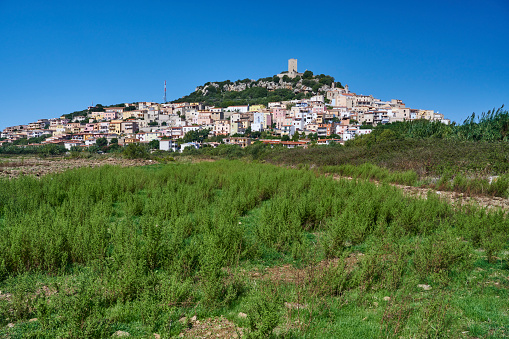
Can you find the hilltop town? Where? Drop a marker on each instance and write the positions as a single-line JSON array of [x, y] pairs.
[[320, 111]]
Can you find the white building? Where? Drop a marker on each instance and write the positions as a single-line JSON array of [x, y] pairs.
[[258, 124], [238, 109], [167, 145]]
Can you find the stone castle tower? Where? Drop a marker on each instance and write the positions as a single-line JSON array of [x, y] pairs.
[[292, 65]]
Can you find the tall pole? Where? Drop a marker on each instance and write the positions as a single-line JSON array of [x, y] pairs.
[[164, 91]]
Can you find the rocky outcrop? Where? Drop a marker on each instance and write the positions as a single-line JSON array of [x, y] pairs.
[[271, 85]]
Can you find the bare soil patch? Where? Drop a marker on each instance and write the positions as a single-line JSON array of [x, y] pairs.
[[17, 166], [457, 198], [290, 274], [211, 328]]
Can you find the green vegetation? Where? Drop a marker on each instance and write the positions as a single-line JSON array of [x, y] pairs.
[[92, 251], [44, 150], [85, 112], [35, 140], [491, 126], [198, 135], [135, 151], [464, 166], [97, 108], [250, 96], [471, 158]]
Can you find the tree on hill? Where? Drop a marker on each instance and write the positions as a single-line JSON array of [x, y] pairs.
[[296, 136], [307, 75], [316, 87], [308, 82], [199, 135], [326, 80], [153, 144], [97, 108], [101, 142]]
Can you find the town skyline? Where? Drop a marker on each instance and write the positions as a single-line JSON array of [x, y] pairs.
[[437, 55], [304, 107]]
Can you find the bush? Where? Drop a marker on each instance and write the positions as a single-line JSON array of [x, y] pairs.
[[437, 256], [135, 151], [264, 313]]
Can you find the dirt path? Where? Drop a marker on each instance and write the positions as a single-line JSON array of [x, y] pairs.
[[451, 197]]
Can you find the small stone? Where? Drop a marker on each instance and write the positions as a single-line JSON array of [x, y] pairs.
[[240, 223], [242, 315], [157, 336], [121, 334], [32, 320], [193, 319], [295, 306], [424, 287], [10, 325], [387, 298]]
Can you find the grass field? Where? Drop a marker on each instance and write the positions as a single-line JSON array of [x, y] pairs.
[[469, 167], [90, 252]]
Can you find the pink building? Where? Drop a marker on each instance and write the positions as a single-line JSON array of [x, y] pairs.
[[279, 116], [89, 127], [267, 120], [222, 127], [204, 118], [319, 108], [110, 115]]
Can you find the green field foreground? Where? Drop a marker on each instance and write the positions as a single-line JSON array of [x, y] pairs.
[[90, 252]]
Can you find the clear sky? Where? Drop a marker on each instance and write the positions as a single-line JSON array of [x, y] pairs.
[[57, 57]]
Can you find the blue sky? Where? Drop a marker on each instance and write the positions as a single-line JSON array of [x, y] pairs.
[[57, 57]]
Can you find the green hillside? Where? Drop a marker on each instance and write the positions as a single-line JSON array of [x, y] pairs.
[[261, 91]]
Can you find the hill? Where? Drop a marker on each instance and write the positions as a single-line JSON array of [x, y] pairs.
[[261, 91]]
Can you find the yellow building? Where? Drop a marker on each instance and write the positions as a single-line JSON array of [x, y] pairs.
[[97, 115], [115, 126], [127, 115], [256, 108]]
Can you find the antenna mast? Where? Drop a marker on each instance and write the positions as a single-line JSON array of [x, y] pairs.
[[164, 92]]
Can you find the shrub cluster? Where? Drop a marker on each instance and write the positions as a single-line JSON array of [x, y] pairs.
[[147, 244]]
